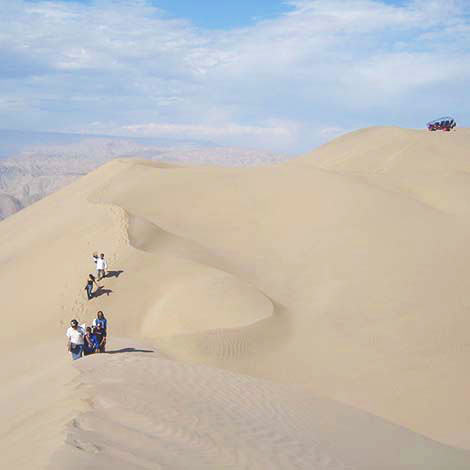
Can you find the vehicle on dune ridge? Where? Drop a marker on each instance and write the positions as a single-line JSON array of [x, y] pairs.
[[446, 124]]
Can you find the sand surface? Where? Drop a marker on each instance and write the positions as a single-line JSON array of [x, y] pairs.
[[309, 315]]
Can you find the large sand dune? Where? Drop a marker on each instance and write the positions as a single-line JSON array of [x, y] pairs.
[[343, 274]]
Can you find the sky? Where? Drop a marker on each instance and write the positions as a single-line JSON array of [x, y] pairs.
[[279, 75]]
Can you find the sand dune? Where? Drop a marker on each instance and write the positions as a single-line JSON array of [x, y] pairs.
[[344, 272], [189, 416], [33, 171]]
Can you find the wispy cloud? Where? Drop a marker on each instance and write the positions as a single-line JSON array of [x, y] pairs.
[[284, 82]]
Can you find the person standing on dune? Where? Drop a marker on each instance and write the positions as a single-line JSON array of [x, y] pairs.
[[101, 267], [101, 320], [100, 337], [76, 335], [91, 344]]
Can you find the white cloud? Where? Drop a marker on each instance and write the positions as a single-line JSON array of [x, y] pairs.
[[324, 65]]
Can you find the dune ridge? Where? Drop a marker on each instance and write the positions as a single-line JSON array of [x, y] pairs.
[[344, 272], [150, 412]]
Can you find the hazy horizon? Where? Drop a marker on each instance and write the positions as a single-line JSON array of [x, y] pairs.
[[13, 141]]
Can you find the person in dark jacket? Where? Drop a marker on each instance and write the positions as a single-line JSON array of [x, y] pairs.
[[102, 321], [100, 337], [89, 286], [91, 344]]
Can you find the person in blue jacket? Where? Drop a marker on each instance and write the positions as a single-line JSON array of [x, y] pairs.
[[91, 344], [102, 321], [100, 335]]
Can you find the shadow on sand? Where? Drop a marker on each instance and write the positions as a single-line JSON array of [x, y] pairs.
[[115, 274], [101, 291], [126, 350]]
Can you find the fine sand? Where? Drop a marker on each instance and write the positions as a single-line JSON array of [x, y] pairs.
[[309, 315]]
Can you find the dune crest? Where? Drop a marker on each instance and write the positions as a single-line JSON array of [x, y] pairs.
[[192, 416]]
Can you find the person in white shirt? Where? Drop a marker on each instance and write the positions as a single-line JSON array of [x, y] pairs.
[[101, 267], [76, 335]]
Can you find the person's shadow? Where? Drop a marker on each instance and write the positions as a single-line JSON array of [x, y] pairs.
[[126, 350], [115, 274], [102, 291]]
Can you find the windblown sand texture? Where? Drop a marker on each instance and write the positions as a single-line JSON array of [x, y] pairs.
[[309, 315]]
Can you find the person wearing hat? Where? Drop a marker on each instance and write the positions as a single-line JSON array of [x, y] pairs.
[[76, 335]]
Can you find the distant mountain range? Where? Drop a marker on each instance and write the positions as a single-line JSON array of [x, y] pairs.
[[13, 141], [35, 164]]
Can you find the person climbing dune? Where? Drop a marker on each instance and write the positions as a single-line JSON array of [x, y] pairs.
[[76, 335], [91, 344], [89, 286], [101, 320], [100, 338], [101, 267]]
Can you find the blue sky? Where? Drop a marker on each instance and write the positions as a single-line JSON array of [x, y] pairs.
[[221, 14], [280, 75], [216, 14]]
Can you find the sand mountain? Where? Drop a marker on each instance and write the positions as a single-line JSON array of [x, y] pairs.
[[344, 274], [38, 170]]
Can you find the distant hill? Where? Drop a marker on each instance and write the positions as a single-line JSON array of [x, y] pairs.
[[46, 162], [14, 141], [8, 205]]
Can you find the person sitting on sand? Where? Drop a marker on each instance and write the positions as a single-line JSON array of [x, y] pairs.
[[90, 343], [101, 267], [100, 337], [76, 335], [89, 286]]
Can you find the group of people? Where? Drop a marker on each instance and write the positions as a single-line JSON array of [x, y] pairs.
[[84, 340], [101, 268]]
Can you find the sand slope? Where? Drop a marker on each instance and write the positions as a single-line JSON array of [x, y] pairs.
[[345, 272], [150, 413]]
